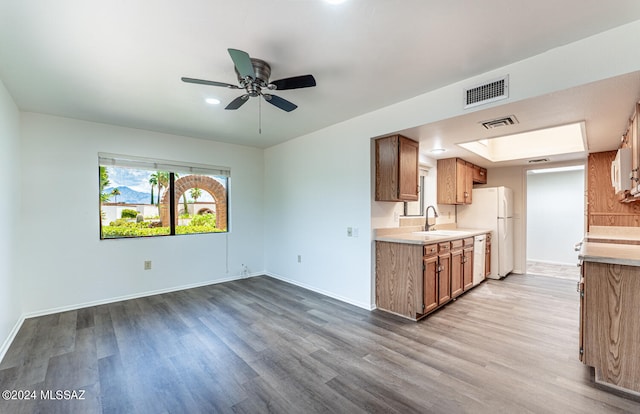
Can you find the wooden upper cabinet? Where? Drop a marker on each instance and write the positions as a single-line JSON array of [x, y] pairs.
[[479, 175], [455, 181], [396, 169], [456, 178]]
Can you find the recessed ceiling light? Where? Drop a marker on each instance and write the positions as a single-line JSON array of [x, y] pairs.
[[212, 101], [438, 150], [335, 1]]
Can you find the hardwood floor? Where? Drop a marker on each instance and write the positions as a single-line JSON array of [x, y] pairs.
[[260, 345], [571, 272]]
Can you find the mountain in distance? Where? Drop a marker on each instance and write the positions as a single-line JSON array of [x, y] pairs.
[[129, 196]]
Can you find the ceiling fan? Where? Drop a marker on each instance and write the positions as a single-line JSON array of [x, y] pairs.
[[253, 76]]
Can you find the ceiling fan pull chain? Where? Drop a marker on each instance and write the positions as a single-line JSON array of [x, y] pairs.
[[260, 116]]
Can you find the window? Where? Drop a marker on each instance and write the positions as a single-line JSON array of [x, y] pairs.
[[144, 198]]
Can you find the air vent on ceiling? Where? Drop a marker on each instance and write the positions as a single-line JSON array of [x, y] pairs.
[[537, 160], [500, 122], [487, 92]]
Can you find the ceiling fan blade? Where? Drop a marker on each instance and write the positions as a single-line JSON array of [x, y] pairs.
[[210, 83], [280, 102], [296, 82], [238, 102], [243, 64]]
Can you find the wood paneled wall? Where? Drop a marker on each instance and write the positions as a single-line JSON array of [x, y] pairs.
[[603, 207]]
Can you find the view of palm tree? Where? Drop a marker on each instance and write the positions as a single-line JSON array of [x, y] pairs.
[[195, 193], [153, 180], [115, 192]]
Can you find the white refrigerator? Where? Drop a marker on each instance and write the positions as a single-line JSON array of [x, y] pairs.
[[492, 208]]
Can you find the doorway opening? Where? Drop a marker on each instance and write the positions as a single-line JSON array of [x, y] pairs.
[[555, 220]]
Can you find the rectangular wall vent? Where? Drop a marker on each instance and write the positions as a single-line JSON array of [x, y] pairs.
[[487, 92]]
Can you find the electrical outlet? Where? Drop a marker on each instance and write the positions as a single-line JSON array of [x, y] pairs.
[[349, 232], [299, 259], [147, 265]]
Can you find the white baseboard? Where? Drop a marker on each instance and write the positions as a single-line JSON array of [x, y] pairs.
[[128, 297], [12, 335], [553, 263], [367, 306]]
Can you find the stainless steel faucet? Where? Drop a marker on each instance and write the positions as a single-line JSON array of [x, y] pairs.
[[428, 226]]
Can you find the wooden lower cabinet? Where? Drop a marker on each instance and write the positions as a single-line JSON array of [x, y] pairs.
[[413, 280], [399, 278], [457, 259], [430, 277], [610, 323], [444, 273], [467, 264]]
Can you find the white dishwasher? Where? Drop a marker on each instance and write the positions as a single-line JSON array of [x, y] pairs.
[[479, 246]]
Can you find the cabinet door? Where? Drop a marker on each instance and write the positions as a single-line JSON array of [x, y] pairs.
[[457, 286], [461, 182], [479, 175], [467, 268], [444, 278], [430, 289], [446, 181], [396, 169], [468, 182], [408, 172]]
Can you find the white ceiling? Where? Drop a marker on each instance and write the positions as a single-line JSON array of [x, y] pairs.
[[120, 62], [605, 107]]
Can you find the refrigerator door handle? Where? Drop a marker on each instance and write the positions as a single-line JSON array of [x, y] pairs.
[[506, 228]]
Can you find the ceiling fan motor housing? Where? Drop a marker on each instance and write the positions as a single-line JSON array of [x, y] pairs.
[[263, 72]]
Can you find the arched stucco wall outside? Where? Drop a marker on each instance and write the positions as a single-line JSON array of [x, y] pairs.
[[202, 182]]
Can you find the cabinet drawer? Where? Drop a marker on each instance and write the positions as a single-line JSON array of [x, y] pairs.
[[468, 242], [456, 244], [430, 250], [444, 247]]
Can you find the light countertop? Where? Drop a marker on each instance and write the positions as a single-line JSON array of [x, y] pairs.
[[615, 245], [408, 235]]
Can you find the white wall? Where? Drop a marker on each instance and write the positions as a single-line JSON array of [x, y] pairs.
[[64, 263], [10, 308], [318, 184], [555, 216], [314, 190]]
